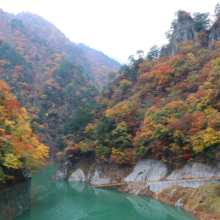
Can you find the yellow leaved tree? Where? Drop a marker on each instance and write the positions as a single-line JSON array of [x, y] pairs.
[[20, 150]]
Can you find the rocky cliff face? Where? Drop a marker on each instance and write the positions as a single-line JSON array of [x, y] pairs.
[[97, 172], [195, 171], [183, 31], [62, 171], [92, 170], [214, 33], [147, 171]]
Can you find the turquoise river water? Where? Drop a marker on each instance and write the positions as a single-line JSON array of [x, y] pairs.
[[58, 200]]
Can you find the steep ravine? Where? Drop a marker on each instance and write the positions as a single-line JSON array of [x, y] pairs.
[[154, 173]]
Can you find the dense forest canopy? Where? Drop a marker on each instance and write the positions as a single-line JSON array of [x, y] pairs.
[[164, 106], [96, 64], [21, 152], [50, 75], [54, 80], [78, 101]]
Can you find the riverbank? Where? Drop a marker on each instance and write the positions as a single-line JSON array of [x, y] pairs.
[[201, 200]]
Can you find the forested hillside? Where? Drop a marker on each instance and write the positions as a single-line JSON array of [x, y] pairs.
[[100, 64], [50, 75], [49, 98], [96, 64], [21, 152], [165, 106]]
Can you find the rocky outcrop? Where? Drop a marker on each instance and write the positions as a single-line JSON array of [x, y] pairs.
[[78, 175], [93, 171], [195, 171], [96, 180], [97, 172], [183, 31], [62, 171], [147, 170], [179, 203], [214, 33]]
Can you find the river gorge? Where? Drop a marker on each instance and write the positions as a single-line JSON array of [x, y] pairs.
[[75, 200]]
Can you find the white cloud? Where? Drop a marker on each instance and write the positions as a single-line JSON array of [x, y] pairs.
[[117, 28]]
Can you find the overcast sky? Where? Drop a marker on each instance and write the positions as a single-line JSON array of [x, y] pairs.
[[118, 28]]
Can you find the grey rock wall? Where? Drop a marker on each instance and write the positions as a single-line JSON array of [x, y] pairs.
[[93, 171], [183, 31], [78, 175], [147, 170], [96, 180], [62, 172], [195, 171], [214, 34]]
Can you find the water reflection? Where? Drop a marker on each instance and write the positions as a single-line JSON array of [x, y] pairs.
[[57, 200], [78, 186], [156, 210]]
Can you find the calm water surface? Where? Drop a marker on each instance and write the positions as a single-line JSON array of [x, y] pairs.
[[57, 200]]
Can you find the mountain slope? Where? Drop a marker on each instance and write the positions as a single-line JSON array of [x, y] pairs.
[[162, 107], [50, 75], [49, 86], [99, 63], [75, 53]]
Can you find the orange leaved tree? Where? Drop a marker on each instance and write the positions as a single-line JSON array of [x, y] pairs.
[[20, 150]]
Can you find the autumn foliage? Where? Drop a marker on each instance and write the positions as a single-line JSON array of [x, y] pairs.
[[170, 112], [159, 107], [21, 152]]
